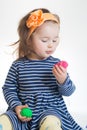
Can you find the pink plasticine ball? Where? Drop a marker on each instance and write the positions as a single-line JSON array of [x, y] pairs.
[[62, 63]]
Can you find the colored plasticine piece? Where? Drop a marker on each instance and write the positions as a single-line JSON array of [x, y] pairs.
[[63, 64], [26, 112]]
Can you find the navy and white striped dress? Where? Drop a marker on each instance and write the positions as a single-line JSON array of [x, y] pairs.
[[32, 82]]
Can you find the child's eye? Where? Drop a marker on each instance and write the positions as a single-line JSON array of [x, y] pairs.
[[44, 40], [54, 40]]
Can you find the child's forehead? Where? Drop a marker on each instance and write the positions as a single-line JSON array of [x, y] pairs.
[[47, 29], [47, 25]]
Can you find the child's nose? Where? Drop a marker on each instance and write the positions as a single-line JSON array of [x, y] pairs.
[[50, 44]]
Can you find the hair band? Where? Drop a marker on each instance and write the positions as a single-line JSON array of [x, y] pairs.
[[37, 18]]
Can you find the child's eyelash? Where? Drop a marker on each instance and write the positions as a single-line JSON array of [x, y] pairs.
[[54, 40], [44, 40]]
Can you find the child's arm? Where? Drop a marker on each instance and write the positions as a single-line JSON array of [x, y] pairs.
[[10, 88], [66, 86]]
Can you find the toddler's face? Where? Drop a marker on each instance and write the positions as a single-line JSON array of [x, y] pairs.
[[44, 40]]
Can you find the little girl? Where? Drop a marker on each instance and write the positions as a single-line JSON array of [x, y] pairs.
[[35, 81]]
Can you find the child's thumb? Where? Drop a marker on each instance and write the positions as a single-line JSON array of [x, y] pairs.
[[25, 105]]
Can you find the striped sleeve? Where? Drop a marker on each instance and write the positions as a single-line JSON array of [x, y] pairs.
[[10, 87], [67, 88]]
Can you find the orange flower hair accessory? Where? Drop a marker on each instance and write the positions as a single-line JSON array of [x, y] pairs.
[[37, 18]]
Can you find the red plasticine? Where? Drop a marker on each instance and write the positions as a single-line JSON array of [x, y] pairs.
[[63, 64]]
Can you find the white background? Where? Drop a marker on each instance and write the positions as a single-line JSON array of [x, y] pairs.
[[72, 48]]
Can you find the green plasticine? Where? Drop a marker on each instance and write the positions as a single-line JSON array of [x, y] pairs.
[[26, 112]]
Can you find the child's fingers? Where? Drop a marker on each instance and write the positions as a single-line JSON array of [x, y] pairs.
[[23, 118]]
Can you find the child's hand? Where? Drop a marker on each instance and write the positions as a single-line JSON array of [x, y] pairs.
[[60, 73], [18, 110]]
